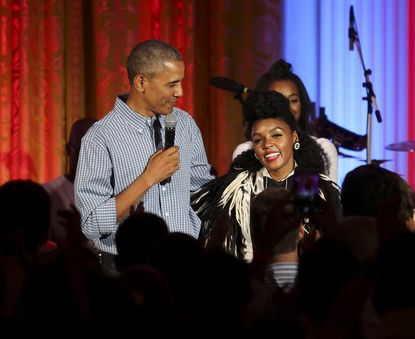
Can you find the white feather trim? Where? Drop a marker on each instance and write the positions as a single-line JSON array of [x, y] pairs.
[[238, 196]]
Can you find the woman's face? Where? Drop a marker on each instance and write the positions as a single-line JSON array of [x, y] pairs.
[[288, 89], [273, 142]]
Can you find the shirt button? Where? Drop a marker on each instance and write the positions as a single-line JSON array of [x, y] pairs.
[[163, 189], [167, 214]]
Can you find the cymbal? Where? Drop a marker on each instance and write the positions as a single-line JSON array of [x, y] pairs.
[[404, 146]]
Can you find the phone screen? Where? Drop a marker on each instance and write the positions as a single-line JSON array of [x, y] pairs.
[[306, 188]]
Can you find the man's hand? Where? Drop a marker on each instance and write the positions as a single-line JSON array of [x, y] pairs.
[[162, 165]]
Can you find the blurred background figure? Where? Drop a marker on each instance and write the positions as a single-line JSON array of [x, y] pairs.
[[60, 189]]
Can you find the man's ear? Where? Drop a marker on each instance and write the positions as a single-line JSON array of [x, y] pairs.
[[139, 82]]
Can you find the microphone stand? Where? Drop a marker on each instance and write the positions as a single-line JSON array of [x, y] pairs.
[[370, 95]]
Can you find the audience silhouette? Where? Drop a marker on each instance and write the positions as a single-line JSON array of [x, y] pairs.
[[354, 281]]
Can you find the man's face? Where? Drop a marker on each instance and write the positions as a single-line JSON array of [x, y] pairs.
[[162, 90]]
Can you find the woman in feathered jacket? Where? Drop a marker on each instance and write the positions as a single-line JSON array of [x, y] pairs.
[[279, 151]]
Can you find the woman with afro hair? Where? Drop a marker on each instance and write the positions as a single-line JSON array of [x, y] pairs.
[[280, 78], [279, 152]]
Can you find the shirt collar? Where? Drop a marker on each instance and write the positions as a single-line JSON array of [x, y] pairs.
[[264, 172], [135, 117]]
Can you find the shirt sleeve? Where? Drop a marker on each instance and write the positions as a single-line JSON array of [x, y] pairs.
[[201, 171], [331, 192], [94, 192], [332, 155]]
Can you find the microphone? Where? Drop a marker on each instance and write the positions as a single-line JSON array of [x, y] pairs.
[[352, 33], [170, 122], [229, 85]]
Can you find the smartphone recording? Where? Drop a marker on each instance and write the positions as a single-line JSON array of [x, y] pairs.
[[305, 189]]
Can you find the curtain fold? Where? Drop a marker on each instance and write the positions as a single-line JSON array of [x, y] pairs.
[[65, 59], [33, 96]]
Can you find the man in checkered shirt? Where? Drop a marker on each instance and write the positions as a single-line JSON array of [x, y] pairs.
[[119, 163]]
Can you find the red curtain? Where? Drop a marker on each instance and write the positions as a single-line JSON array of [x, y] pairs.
[[41, 94], [65, 59]]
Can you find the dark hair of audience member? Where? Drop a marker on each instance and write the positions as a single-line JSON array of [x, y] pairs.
[[370, 190], [136, 237], [25, 216]]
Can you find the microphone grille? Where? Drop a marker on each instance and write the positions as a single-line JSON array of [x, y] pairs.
[[170, 120]]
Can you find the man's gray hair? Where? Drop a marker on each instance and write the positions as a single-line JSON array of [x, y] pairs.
[[147, 58]]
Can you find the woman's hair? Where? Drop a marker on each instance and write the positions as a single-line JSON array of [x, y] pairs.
[[266, 105], [282, 70]]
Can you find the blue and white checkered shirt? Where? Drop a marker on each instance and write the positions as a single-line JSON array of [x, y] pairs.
[[115, 151]]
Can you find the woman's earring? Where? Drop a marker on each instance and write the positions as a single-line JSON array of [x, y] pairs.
[[256, 157], [296, 145]]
